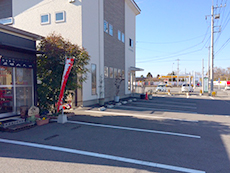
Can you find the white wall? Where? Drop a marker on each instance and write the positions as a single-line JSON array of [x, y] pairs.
[[27, 16], [92, 32], [130, 30]]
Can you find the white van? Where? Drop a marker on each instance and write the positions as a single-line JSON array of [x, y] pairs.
[[186, 88]]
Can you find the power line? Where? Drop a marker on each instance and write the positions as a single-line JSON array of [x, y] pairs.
[[225, 24], [146, 42], [171, 56], [222, 47]]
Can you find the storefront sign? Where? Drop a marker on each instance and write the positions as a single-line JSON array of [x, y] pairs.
[[12, 62]]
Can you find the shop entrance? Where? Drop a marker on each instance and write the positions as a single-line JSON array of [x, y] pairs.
[[16, 89]]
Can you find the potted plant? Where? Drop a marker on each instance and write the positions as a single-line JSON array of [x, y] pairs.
[[118, 81], [101, 84], [43, 120]]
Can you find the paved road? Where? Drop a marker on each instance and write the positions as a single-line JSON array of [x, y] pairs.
[[166, 134]]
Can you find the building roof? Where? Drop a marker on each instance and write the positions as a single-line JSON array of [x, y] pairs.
[[134, 6], [19, 32]]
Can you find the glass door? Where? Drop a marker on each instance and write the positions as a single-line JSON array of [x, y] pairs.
[[16, 89], [6, 90], [23, 87]]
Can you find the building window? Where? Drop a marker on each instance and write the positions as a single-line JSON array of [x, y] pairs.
[[115, 72], [119, 35], [119, 72], [130, 42], [111, 72], [123, 74], [106, 72], [60, 16], [6, 21], [106, 26], [110, 29], [93, 78], [45, 19], [123, 37], [6, 89]]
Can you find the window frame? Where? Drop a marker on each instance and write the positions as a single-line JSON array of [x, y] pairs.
[[45, 23], [111, 75], [93, 85], [119, 35], [60, 21], [123, 37], [106, 71], [4, 21], [130, 43], [111, 29], [106, 26]]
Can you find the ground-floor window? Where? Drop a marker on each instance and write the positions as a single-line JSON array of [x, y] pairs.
[[94, 79], [16, 89]]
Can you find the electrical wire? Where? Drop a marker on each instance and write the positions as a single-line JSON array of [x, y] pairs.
[[172, 56], [223, 46], [173, 42], [223, 27], [179, 53]]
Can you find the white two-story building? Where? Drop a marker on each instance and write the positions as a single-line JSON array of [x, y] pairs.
[[106, 28]]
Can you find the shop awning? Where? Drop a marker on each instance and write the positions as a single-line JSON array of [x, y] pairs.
[[18, 48], [135, 69]]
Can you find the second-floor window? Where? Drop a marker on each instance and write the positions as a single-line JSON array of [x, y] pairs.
[[6, 21], [45, 18], [130, 42], [123, 37], [119, 35], [110, 29], [60, 16], [106, 26]]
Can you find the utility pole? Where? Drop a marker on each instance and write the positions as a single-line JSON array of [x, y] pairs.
[[178, 71], [209, 63], [211, 49], [212, 45]]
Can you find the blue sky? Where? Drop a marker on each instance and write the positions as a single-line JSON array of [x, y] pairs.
[[167, 30]]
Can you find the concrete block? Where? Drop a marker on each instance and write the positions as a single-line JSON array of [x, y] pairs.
[[62, 118]]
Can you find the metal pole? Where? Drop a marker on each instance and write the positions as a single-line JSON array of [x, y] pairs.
[[178, 72], [212, 50], [202, 75]]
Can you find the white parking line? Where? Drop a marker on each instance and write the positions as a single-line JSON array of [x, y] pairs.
[[103, 156], [173, 104], [157, 109], [135, 129], [142, 116]]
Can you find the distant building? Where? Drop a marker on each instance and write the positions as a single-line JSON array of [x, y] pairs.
[[106, 28]]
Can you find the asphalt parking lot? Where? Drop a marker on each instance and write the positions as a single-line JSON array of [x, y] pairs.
[[165, 134]]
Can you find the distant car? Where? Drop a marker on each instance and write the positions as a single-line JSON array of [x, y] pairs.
[[161, 88], [186, 88], [227, 87]]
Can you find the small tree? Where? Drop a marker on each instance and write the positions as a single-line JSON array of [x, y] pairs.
[[118, 81], [149, 75], [101, 86], [50, 67]]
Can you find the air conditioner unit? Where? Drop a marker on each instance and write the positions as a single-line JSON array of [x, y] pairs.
[[71, 1]]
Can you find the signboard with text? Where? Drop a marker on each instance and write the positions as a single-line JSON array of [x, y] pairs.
[[205, 85]]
